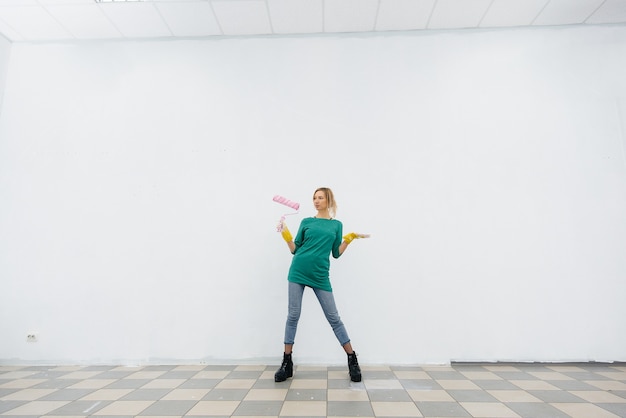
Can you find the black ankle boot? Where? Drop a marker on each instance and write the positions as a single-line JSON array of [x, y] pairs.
[[286, 369], [353, 368]]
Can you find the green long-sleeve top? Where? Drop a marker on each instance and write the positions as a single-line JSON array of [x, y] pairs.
[[316, 240]]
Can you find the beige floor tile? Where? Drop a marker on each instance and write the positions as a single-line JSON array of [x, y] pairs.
[[28, 395], [266, 395], [303, 408], [211, 374], [36, 408], [268, 374], [533, 385], [79, 375], [584, 410], [550, 376], [566, 369], [473, 375], [488, 410], [66, 368], [597, 396], [213, 408], [106, 395], [347, 395], [502, 368], [396, 409], [513, 396], [236, 384], [441, 368], [124, 408], [189, 368], [250, 368], [615, 375], [336, 374], [300, 368], [163, 384], [92, 384], [409, 374], [459, 384], [430, 396], [607, 384], [186, 394], [21, 383], [374, 368], [14, 375], [152, 374], [309, 384], [372, 384]]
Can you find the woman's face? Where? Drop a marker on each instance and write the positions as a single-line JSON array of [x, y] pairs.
[[319, 200]]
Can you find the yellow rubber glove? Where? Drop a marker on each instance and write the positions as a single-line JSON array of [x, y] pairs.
[[352, 236], [349, 237], [286, 234]]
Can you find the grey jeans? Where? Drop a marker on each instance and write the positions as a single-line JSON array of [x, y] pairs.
[[327, 302]]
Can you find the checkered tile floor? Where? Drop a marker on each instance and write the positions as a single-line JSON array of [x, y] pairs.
[[459, 390]]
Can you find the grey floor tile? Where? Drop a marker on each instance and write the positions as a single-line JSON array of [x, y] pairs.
[[115, 374], [245, 374], [178, 374], [536, 410], [571, 385], [585, 376], [420, 384], [374, 374], [128, 383], [442, 409], [79, 408], [165, 408], [621, 393], [56, 384], [67, 395], [349, 409], [199, 384], [618, 409], [145, 395], [225, 395], [515, 375], [311, 374], [258, 408], [306, 395], [555, 396], [471, 396], [270, 384], [446, 375], [388, 395], [6, 406], [495, 385], [158, 368]]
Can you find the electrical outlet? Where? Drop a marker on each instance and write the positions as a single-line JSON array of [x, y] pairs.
[[31, 338]]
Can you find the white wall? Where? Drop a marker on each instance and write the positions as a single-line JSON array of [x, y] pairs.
[[136, 181], [5, 53]]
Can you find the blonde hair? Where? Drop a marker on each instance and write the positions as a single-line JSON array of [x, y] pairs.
[[330, 198]]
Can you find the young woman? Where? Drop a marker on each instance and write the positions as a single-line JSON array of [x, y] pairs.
[[317, 238]]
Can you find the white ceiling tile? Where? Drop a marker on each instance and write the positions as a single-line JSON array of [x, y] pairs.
[[245, 17], [189, 18], [297, 16], [84, 21], [136, 20], [33, 23], [512, 12], [350, 15], [403, 14], [611, 11], [453, 14], [566, 12]]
